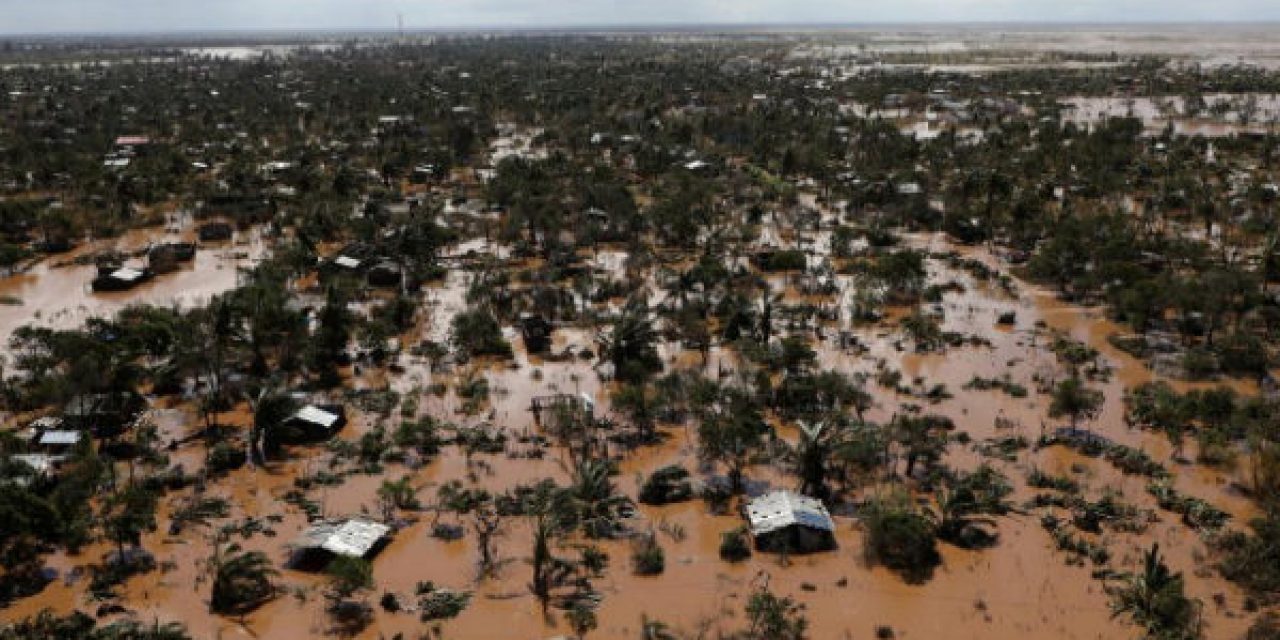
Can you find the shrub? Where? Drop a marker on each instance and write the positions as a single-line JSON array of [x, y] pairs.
[[477, 333], [647, 557], [735, 545], [666, 486], [900, 538]]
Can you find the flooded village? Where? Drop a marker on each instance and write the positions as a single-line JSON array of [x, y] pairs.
[[740, 335]]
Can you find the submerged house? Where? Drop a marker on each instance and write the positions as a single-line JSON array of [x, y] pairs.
[[214, 232], [563, 410], [119, 278], [787, 521], [536, 332], [313, 423], [385, 273], [165, 258], [353, 538], [103, 414]]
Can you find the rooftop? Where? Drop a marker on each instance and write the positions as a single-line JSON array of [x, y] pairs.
[[316, 415], [59, 438], [354, 538], [782, 509]]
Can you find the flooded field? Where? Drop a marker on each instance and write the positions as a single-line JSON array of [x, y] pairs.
[[1020, 587]]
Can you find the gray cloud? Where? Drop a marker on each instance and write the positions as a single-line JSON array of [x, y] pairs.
[[45, 16]]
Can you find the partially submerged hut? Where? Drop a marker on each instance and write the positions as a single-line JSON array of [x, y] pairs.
[[385, 273], [313, 423], [563, 410], [787, 521], [103, 414], [536, 332], [165, 258], [214, 232], [322, 541], [120, 279]]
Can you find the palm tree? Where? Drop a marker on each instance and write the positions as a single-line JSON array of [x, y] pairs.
[[548, 570], [134, 630], [597, 499], [957, 517], [270, 410], [1155, 599], [632, 345], [655, 630], [241, 580]]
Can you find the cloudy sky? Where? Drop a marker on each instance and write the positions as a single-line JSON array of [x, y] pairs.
[[46, 16]]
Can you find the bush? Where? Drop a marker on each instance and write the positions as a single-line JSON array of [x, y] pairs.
[[647, 557], [224, 457], [735, 545], [666, 486], [900, 538], [787, 260], [477, 333]]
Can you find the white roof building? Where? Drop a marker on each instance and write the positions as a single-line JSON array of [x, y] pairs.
[[316, 415], [353, 538], [59, 438], [127, 274], [781, 509], [347, 262]]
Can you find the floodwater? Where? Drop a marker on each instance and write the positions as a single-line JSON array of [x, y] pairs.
[[1020, 588], [56, 291], [1223, 114]]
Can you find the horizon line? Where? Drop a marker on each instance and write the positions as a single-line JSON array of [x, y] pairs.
[[653, 27]]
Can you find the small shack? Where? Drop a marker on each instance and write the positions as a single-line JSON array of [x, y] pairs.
[[321, 542], [104, 414], [120, 279], [313, 423], [787, 521], [563, 410], [58, 442], [536, 332], [165, 258], [214, 232], [385, 273]]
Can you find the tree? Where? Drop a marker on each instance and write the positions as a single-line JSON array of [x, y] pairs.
[[477, 333], [1155, 598], [241, 580], [631, 347], [129, 514], [348, 575], [900, 537], [582, 619], [774, 618], [548, 570], [732, 433], [487, 523], [1073, 399], [596, 499]]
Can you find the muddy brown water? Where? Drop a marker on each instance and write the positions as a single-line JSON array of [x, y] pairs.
[[1021, 588]]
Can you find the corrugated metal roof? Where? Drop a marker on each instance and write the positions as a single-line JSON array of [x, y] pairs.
[[781, 509], [59, 438], [316, 415], [354, 538], [126, 274]]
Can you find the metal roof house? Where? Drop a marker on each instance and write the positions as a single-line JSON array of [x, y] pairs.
[[313, 423], [56, 441], [787, 521], [354, 538], [105, 414], [120, 279]]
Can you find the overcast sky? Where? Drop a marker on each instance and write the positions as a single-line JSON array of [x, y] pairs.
[[60, 16]]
